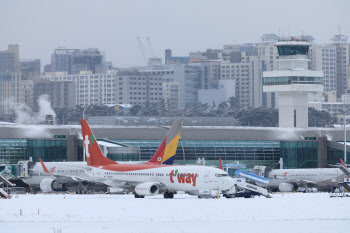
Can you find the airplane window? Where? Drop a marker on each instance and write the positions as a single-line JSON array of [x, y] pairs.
[[221, 175]]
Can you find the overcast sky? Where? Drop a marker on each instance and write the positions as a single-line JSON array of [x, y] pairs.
[[112, 26]]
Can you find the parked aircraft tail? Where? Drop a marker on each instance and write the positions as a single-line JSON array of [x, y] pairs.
[[93, 153], [165, 153], [44, 167], [342, 162], [344, 168]]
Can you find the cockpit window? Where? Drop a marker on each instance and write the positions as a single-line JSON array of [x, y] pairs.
[[221, 175]]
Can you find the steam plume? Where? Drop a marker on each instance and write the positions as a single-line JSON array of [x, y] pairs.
[[26, 115]]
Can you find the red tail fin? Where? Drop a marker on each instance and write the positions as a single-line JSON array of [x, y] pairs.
[[342, 162], [44, 167], [220, 164], [94, 156]]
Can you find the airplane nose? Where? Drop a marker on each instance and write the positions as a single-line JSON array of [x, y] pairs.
[[228, 182]]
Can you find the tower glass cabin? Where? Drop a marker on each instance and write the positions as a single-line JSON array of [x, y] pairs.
[[293, 81]]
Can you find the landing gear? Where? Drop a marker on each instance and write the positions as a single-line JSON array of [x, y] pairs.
[[139, 196], [168, 195]]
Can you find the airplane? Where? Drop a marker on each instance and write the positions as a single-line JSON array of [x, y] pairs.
[[151, 179], [59, 175], [289, 180]]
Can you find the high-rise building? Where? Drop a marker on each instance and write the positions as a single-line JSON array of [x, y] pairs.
[[293, 81], [86, 60], [323, 58], [91, 89], [247, 74], [9, 59], [138, 87], [342, 60], [267, 53], [73, 61], [61, 60], [32, 65], [62, 93], [171, 95], [27, 92], [333, 60], [30, 68], [9, 91]]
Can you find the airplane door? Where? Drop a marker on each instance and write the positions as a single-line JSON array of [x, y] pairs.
[[206, 177]]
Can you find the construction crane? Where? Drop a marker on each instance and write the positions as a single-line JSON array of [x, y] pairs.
[[141, 48], [150, 46]]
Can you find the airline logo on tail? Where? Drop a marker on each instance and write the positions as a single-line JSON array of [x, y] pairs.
[[94, 155], [45, 168], [88, 142]]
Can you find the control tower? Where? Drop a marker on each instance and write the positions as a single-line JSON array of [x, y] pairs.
[[293, 81]]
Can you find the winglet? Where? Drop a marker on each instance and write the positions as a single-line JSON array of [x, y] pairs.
[[342, 162], [44, 167], [220, 164]]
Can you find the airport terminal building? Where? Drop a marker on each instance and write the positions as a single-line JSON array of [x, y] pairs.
[[299, 148]]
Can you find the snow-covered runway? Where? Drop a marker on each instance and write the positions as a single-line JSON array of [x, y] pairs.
[[297, 212]]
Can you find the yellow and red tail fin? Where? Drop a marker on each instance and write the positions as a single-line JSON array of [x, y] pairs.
[[93, 153], [44, 167], [220, 164], [165, 153]]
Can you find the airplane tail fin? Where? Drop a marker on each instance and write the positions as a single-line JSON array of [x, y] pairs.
[[342, 162], [220, 164], [165, 153], [93, 153], [44, 167]]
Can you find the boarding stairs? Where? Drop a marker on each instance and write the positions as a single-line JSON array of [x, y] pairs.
[[252, 176], [345, 170], [249, 186], [254, 188], [5, 181]]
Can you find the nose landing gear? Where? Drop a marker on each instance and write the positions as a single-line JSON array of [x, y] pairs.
[[168, 195]]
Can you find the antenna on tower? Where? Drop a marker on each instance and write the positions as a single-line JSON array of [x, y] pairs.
[[141, 48]]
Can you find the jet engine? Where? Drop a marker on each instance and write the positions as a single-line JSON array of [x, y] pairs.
[[147, 189], [50, 185], [287, 187]]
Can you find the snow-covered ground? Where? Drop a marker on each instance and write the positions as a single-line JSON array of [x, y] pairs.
[[284, 213]]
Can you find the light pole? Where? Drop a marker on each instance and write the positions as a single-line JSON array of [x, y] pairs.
[[345, 111]]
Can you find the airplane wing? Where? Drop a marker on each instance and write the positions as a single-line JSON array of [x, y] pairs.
[[309, 181], [300, 182]]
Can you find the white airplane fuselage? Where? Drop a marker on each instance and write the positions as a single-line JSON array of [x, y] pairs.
[[190, 178], [68, 169], [322, 177]]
